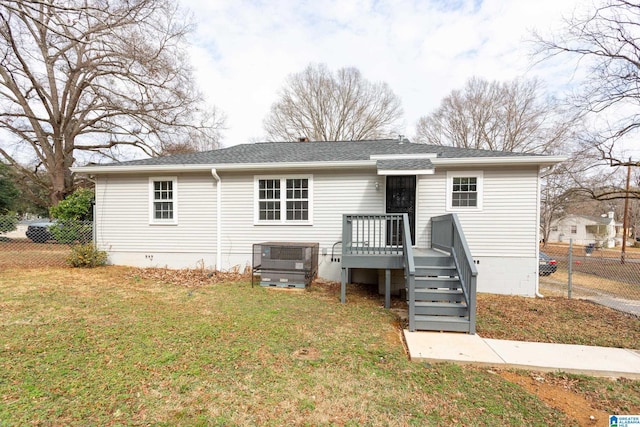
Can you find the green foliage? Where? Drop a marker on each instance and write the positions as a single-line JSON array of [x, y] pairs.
[[8, 191], [74, 215], [70, 231], [86, 256], [8, 222], [77, 206]]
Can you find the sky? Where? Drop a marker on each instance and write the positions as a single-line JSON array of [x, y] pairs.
[[243, 50]]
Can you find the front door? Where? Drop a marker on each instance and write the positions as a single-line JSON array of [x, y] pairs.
[[401, 198]]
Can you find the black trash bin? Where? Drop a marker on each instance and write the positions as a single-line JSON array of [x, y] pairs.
[[589, 248]]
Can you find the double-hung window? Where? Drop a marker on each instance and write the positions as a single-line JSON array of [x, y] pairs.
[[163, 200], [464, 191], [283, 200]]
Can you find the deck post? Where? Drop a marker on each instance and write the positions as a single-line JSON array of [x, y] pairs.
[[343, 286], [387, 288]]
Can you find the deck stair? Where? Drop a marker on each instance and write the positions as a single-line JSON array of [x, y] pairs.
[[440, 279], [440, 303]]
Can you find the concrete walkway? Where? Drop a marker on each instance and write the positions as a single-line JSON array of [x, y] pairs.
[[473, 349]]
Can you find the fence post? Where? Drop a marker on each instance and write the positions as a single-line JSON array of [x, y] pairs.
[[570, 266]]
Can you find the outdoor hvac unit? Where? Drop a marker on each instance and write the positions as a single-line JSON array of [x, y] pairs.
[[285, 264]]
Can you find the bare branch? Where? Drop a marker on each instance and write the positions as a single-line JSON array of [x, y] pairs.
[[324, 106], [89, 76], [508, 116]]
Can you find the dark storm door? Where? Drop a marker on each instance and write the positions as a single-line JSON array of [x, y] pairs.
[[401, 198]]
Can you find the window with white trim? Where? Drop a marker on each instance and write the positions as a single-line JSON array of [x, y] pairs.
[[283, 200], [464, 191], [163, 200]]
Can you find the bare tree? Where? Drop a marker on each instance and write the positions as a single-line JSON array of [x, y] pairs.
[[82, 79], [324, 106], [509, 116], [605, 41]]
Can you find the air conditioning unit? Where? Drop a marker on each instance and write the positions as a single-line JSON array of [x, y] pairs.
[[286, 264]]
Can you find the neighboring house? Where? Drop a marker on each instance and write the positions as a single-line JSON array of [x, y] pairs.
[[602, 231], [209, 208]]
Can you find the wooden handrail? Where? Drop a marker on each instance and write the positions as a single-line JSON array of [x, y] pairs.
[[447, 235]]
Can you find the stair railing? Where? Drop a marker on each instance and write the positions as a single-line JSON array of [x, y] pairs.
[[447, 235], [409, 270]]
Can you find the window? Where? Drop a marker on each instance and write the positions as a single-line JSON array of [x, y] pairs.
[[283, 200], [554, 228], [269, 195], [163, 197], [464, 191], [298, 199], [574, 229]]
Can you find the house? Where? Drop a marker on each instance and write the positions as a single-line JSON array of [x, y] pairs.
[[602, 231], [358, 200]]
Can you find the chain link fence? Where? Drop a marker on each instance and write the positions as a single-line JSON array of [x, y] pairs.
[[40, 242], [601, 275]]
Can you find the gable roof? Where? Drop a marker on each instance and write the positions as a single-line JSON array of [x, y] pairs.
[[384, 154], [602, 220]]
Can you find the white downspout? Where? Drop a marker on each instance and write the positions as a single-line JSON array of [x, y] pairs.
[[538, 211], [215, 175]]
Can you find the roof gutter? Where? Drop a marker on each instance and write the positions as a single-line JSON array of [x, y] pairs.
[[215, 175], [542, 161], [101, 169]]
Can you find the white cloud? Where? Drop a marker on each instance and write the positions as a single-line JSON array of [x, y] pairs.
[[243, 50]]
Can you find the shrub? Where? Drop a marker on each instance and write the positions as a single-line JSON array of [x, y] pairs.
[[77, 206], [69, 231], [8, 222], [86, 256]]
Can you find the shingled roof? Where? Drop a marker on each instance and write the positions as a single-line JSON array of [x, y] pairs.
[[294, 152], [388, 156]]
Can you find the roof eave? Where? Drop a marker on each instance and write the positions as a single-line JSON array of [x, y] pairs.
[[96, 170], [543, 161], [384, 172]]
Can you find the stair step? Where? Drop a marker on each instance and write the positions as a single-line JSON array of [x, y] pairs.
[[432, 260], [446, 295], [442, 323], [437, 282], [440, 308], [436, 270]]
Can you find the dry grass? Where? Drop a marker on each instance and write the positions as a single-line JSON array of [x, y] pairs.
[[26, 254], [121, 346], [124, 346], [555, 320]]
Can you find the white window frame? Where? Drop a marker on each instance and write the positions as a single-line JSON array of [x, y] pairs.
[[283, 200], [152, 219], [479, 176]]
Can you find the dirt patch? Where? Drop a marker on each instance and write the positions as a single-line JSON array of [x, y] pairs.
[[559, 397], [307, 353]]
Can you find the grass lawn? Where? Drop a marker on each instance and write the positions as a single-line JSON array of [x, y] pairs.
[[119, 346]]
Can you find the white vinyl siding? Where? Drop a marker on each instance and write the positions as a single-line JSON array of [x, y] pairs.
[[122, 215], [507, 224], [333, 194]]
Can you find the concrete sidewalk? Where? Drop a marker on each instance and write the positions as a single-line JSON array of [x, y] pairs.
[[473, 349]]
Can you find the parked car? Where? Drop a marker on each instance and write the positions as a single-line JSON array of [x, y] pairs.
[[548, 265], [40, 232]]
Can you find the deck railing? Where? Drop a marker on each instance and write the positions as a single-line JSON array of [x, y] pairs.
[[372, 234], [447, 235]]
